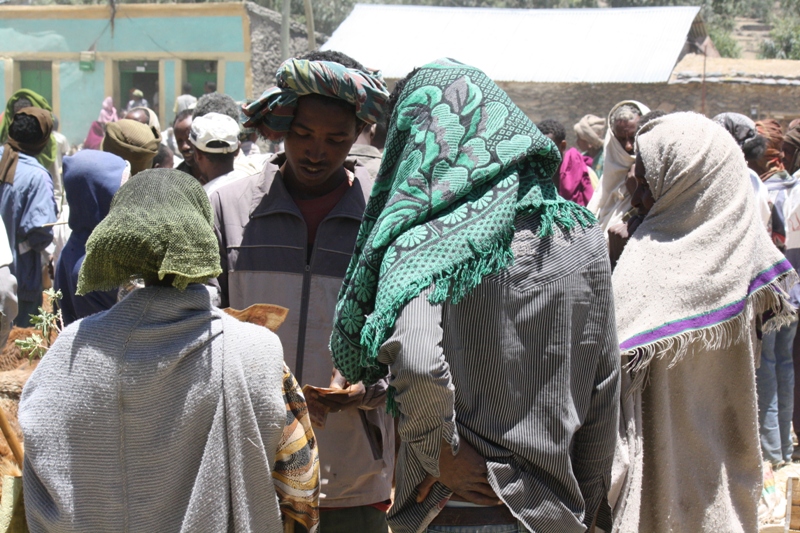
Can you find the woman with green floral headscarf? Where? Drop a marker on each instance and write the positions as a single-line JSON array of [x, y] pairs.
[[172, 415]]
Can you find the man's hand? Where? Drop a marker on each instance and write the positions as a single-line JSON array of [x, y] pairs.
[[464, 474], [617, 239], [339, 402]]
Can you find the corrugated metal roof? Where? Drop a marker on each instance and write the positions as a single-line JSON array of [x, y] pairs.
[[620, 45], [690, 69]]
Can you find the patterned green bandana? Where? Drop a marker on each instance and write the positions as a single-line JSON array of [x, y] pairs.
[[272, 114], [461, 162]]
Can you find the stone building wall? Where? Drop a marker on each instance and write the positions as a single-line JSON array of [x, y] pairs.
[[565, 102], [568, 102], [265, 43]]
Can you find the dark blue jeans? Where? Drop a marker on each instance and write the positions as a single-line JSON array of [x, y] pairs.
[[775, 386]]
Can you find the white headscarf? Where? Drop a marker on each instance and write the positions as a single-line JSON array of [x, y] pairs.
[[590, 129], [611, 200], [701, 252]]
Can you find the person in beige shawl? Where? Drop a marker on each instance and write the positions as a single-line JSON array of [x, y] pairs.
[[690, 290], [611, 201]]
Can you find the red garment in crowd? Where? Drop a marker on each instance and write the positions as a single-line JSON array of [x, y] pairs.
[[95, 136], [314, 211], [574, 183]]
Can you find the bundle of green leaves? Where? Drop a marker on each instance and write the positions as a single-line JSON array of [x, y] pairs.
[[45, 322]]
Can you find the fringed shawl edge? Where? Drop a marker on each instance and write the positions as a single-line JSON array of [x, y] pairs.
[[717, 329]]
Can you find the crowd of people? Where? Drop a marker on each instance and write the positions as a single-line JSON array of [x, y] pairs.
[[494, 332]]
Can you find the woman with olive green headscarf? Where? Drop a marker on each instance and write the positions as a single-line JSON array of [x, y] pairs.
[[170, 415], [48, 157]]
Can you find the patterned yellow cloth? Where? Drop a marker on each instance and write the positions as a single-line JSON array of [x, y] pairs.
[[296, 473]]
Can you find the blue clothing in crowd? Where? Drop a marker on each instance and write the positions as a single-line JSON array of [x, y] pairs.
[[91, 178], [26, 206], [775, 385], [775, 376]]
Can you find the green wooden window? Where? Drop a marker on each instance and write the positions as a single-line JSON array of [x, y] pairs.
[[200, 72], [37, 76]]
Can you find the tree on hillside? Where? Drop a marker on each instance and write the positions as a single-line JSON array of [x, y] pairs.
[[784, 40]]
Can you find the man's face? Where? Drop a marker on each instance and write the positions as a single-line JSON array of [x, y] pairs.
[[790, 159], [319, 141], [181, 130], [625, 132], [582, 145], [642, 196], [203, 167], [139, 115]]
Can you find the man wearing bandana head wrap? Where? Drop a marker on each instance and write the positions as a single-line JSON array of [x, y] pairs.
[[467, 270], [286, 237]]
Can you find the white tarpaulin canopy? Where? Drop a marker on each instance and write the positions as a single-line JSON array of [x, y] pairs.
[[604, 45]]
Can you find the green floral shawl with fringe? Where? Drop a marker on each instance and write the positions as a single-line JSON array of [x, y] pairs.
[[461, 163]]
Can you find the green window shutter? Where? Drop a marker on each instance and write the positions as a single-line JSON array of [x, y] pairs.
[[37, 76], [198, 73]]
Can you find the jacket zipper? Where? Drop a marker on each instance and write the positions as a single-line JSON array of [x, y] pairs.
[[304, 295]]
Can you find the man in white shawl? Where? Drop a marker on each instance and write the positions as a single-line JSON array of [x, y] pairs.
[[693, 284], [611, 201], [163, 413]]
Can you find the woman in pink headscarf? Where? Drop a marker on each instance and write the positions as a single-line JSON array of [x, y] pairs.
[[108, 113]]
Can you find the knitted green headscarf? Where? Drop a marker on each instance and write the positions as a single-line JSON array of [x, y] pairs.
[[461, 162], [160, 223], [48, 155]]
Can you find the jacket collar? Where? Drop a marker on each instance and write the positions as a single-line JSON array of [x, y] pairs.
[[270, 194], [365, 150]]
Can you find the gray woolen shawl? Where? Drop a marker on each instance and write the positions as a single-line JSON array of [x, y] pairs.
[[160, 414]]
